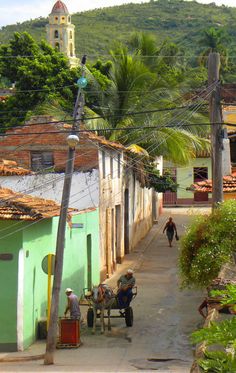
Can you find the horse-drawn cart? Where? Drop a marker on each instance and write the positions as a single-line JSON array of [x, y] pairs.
[[116, 310]]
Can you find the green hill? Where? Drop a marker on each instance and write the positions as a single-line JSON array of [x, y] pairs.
[[96, 30]]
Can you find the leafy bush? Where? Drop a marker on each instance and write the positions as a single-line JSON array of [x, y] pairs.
[[223, 335], [218, 362], [208, 244]]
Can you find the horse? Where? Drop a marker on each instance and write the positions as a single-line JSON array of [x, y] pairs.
[[102, 297]]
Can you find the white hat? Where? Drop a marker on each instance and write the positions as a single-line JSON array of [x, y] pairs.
[[130, 271], [68, 290]]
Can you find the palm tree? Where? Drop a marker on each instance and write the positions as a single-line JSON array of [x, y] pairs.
[[214, 40], [139, 85]]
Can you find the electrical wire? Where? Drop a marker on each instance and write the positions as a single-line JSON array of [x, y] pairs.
[[13, 232]]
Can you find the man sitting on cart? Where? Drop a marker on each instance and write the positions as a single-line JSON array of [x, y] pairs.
[[125, 284]]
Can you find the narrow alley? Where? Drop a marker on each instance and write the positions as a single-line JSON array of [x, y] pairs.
[[164, 317]]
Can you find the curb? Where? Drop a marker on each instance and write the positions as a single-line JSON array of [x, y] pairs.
[[17, 359]]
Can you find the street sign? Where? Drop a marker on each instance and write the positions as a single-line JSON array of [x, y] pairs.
[[45, 264], [77, 225]]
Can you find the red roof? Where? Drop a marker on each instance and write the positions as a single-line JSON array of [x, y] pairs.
[[229, 185], [60, 7], [18, 206]]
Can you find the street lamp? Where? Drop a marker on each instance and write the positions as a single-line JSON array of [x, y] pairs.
[[72, 141]]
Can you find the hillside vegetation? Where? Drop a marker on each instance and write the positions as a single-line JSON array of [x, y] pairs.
[[96, 30]]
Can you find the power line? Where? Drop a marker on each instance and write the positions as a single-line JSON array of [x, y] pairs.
[[98, 147], [111, 116], [143, 127]]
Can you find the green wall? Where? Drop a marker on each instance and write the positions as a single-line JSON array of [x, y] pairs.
[[185, 176], [75, 257], [9, 244], [40, 240], [37, 240]]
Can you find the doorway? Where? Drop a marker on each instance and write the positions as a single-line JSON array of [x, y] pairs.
[[89, 261], [118, 233], [200, 174], [126, 219]]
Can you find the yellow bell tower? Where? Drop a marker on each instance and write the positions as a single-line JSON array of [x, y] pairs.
[[61, 32]]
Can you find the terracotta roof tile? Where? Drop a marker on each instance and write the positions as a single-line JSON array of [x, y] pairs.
[[229, 185], [18, 206], [101, 140], [10, 168]]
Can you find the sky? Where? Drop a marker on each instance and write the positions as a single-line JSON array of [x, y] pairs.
[[13, 11]]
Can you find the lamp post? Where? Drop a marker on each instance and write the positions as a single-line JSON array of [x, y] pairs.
[[72, 141]]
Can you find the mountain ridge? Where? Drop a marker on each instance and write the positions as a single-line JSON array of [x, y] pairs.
[[97, 29]]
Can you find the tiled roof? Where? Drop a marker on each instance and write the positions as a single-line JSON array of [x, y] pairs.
[[18, 206], [101, 140], [60, 7], [10, 168], [229, 185]]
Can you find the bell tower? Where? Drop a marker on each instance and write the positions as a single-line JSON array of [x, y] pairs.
[[61, 32]]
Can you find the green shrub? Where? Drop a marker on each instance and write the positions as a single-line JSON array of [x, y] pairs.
[[208, 244]]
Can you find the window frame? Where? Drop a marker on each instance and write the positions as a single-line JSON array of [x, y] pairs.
[[42, 163]]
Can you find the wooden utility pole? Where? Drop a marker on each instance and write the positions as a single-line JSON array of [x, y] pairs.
[[216, 128], [72, 142]]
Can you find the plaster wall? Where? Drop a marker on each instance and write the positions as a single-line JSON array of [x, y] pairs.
[[39, 243], [35, 240], [9, 244], [84, 189], [226, 158], [140, 211], [111, 197], [185, 176]]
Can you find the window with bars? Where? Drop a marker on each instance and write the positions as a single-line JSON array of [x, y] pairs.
[[41, 160]]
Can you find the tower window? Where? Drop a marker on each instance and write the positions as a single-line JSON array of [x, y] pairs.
[[57, 46], [71, 49], [56, 34], [56, 18], [62, 19], [69, 19], [71, 36]]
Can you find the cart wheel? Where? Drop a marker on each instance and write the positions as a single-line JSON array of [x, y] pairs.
[[129, 317], [90, 318]]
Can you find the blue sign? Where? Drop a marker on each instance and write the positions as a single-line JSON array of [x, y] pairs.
[[77, 225]]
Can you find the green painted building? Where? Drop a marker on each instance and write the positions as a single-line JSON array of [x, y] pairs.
[[23, 245], [199, 169]]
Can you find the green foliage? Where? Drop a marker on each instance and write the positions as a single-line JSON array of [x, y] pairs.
[[228, 295], [182, 21], [208, 244], [221, 336], [223, 333], [218, 362], [138, 82], [158, 182], [40, 73]]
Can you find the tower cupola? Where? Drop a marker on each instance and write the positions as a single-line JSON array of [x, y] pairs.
[[61, 32]]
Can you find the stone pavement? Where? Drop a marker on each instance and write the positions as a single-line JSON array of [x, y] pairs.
[[164, 317]]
